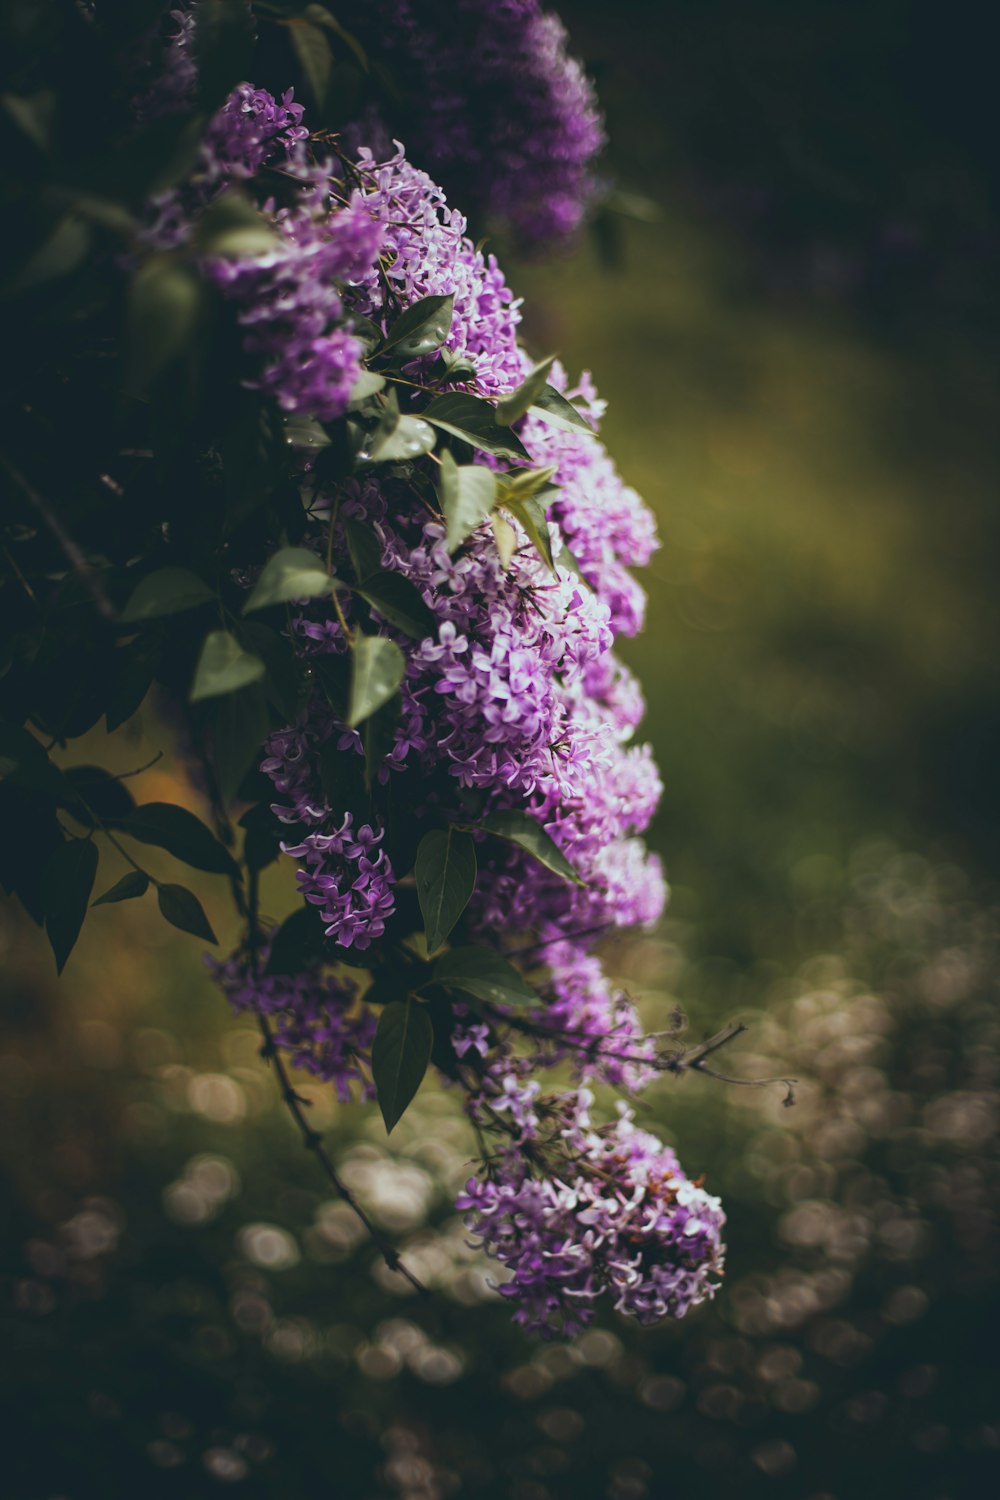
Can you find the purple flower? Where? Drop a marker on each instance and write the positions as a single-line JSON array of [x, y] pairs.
[[315, 1017], [594, 1212], [496, 107]]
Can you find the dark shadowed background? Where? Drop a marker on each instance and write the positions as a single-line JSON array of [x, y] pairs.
[[790, 303]]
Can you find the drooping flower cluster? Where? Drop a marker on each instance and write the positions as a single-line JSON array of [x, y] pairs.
[[509, 707], [523, 152], [314, 1016], [582, 1212]]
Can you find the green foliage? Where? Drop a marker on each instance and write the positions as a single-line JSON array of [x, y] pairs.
[[474, 421], [484, 975], [401, 1053], [377, 669], [398, 600], [224, 667], [292, 574], [132, 884], [446, 877], [182, 834], [182, 909], [533, 387], [167, 591], [468, 495], [521, 829], [69, 880]]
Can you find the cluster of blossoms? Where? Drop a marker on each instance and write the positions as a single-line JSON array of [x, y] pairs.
[[523, 155], [314, 1016], [511, 701], [610, 1213]]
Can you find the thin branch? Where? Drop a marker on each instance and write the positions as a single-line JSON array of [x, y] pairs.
[[74, 556], [313, 1142]]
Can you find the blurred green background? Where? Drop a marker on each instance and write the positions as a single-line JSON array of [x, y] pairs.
[[797, 338]]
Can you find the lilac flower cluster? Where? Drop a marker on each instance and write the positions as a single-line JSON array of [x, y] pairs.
[[585, 1211], [523, 152], [314, 1016], [513, 703]]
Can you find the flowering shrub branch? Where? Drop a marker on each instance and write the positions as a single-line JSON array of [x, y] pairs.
[[375, 560]]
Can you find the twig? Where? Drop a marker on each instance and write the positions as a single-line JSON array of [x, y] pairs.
[[313, 1142], [74, 556]]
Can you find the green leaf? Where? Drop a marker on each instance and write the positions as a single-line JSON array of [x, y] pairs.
[[173, 828], [68, 883], [132, 677], [133, 883], [165, 302], [293, 573], [224, 666], [551, 405], [506, 539], [109, 797], [423, 327], [320, 16], [286, 673], [367, 385], [377, 669], [446, 877], [364, 547], [313, 52], [234, 226], [399, 601], [238, 725], [484, 975], [182, 909], [475, 422], [377, 735], [531, 514], [409, 438], [400, 1055], [264, 833], [468, 494], [521, 829], [168, 591], [298, 944], [27, 764], [514, 406], [529, 484]]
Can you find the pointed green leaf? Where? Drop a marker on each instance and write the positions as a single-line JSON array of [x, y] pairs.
[[293, 573], [423, 327], [551, 405], [238, 726], [315, 58], [514, 406], [377, 669], [224, 666], [367, 385], [168, 591], [468, 494], [400, 1054], [409, 438], [173, 828], [475, 422], [364, 547], [182, 909], [165, 302], [133, 883], [506, 539], [521, 829], [399, 601], [377, 735], [446, 877], [233, 225], [68, 883], [298, 944], [531, 515], [484, 975]]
